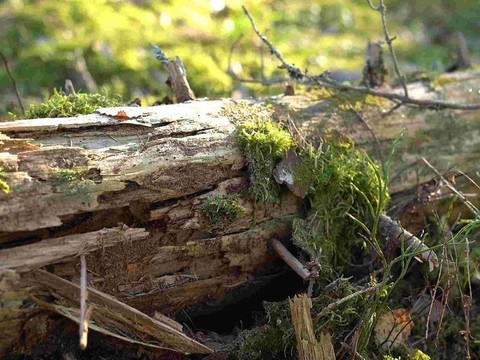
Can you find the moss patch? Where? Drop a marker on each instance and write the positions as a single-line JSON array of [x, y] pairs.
[[223, 209], [59, 105], [264, 143], [340, 182]]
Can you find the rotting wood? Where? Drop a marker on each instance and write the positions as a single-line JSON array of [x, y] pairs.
[[109, 311], [50, 251], [155, 169]]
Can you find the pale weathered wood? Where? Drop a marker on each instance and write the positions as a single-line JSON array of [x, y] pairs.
[[308, 347], [50, 251], [108, 310]]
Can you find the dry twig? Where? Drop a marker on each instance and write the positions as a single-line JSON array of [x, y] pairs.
[[290, 260], [382, 9], [12, 79], [324, 80], [83, 328]]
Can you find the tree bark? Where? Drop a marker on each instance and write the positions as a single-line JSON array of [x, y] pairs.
[[128, 193]]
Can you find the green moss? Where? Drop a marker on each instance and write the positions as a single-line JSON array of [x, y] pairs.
[[71, 181], [442, 80], [68, 175], [223, 209], [59, 105], [4, 187], [257, 344], [264, 143], [340, 182]]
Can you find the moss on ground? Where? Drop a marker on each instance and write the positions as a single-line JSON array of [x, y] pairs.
[[341, 187], [60, 105]]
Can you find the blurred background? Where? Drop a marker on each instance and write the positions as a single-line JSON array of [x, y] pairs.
[[105, 45]]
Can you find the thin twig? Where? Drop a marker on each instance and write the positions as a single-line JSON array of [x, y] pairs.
[[323, 80], [12, 79], [462, 197], [382, 9], [290, 260], [83, 328], [293, 71], [230, 55], [334, 305]]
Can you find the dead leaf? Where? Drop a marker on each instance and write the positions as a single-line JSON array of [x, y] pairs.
[[393, 328]]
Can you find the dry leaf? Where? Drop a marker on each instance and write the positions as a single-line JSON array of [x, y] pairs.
[[393, 328]]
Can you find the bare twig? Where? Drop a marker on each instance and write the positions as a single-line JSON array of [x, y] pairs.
[[83, 328], [12, 79], [462, 197], [177, 76], [290, 260], [382, 9], [323, 80], [293, 71], [332, 306]]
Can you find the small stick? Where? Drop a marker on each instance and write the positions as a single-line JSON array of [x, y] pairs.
[[83, 328], [339, 302], [12, 79], [467, 203], [382, 9], [323, 80], [290, 260]]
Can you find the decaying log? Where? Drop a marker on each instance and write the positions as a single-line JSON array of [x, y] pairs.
[[110, 313], [50, 251], [128, 192]]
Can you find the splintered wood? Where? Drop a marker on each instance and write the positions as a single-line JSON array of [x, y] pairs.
[[308, 347]]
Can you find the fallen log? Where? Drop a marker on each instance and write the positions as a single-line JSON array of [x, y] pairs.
[[128, 188]]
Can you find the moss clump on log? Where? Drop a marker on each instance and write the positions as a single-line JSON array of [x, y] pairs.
[[223, 209], [264, 144], [60, 105], [343, 187]]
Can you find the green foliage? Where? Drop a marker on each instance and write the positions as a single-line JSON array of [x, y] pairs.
[[416, 355], [46, 41], [223, 209], [263, 143], [68, 175], [341, 182], [59, 105]]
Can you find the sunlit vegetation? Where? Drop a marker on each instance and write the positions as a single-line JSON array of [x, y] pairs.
[[107, 44]]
